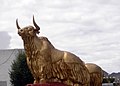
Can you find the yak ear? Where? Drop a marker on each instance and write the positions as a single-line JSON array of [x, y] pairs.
[[36, 26], [17, 24], [37, 31]]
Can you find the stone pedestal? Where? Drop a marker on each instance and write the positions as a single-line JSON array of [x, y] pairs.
[[48, 84]]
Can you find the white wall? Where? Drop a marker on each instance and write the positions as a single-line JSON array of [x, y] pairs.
[[3, 83], [6, 58]]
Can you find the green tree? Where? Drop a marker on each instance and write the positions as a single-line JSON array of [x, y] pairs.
[[20, 74], [108, 80]]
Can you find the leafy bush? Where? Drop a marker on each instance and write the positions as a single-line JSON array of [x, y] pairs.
[[20, 74]]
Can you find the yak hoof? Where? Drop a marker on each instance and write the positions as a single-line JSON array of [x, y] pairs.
[[42, 81]]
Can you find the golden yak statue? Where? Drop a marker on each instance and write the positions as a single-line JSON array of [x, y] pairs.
[[48, 64], [96, 74]]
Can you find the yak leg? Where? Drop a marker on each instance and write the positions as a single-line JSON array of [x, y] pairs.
[[42, 80], [95, 80], [81, 85], [36, 81]]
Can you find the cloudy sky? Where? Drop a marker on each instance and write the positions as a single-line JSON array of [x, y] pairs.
[[87, 28]]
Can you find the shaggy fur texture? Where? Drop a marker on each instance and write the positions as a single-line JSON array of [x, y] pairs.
[[96, 74], [48, 64]]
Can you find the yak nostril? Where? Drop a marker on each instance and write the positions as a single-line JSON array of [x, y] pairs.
[[21, 30]]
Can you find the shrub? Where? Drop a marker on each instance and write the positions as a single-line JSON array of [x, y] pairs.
[[20, 74]]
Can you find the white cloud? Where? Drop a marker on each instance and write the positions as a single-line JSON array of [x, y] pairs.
[[4, 40], [88, 28]]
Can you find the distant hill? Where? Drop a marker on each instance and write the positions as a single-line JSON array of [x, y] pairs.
[[116, 75], [112, 75]]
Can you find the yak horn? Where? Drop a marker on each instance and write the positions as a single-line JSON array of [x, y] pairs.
[[17, 24], [37, 27]]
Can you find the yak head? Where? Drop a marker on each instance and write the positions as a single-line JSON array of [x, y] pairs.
[[28, 31]]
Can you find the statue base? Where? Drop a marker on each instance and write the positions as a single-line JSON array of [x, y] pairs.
[[48, 84]]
